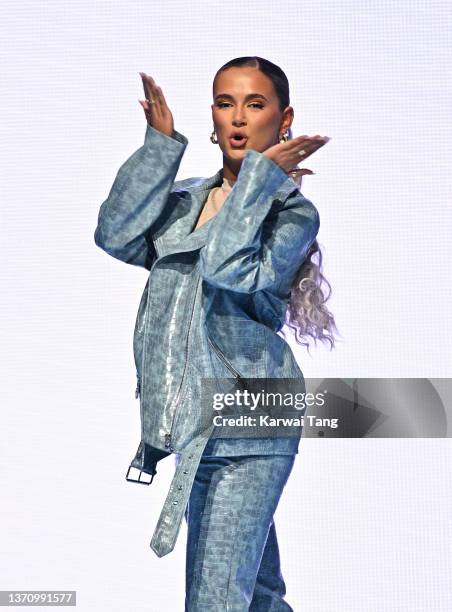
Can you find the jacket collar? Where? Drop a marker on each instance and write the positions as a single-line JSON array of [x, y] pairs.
[[216, 180], [179, 238]]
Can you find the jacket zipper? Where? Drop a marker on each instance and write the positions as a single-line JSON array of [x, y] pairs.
[[221, 355], [168, 437], [140, 384]]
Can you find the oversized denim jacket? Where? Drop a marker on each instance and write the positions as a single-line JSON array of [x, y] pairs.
[[213, 301]]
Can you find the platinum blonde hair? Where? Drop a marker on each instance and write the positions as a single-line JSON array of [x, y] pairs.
[[306, 315]]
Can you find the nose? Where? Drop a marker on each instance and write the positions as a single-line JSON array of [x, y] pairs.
[[238, 120]]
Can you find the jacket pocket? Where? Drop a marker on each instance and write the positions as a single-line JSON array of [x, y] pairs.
[[223, 358], [239, 345]]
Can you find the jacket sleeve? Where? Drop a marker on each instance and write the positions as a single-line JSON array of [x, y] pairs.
[[249, 247], [138, 196]]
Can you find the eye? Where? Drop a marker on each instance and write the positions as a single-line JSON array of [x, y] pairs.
[[222, 104]]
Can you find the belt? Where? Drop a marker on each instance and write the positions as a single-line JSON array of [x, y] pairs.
[[170, 519]]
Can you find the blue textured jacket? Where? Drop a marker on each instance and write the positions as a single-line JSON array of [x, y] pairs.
[[213, 302]]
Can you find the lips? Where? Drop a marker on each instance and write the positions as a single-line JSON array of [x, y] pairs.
[[238, 139]]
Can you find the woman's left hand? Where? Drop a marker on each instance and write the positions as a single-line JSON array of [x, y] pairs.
[[290, 153]]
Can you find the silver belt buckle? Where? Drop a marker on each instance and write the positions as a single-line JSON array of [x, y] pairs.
[[140, 473]]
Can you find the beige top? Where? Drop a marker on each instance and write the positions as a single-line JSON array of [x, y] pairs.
[[214, 202]]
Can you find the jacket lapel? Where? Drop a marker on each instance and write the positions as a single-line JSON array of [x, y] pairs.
[[179, 237]]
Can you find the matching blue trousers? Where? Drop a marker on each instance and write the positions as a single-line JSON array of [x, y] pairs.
[[232, 562]]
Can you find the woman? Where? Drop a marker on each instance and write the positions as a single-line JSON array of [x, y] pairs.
[[230, 261]]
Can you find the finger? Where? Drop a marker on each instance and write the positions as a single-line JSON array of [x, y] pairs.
[[147, 111], [146, 85], [162, 98], [153, 94], [146, 107], [320, 140], [150, 88], [303, 151], [308, 139], [295, 142], [156, 97], [308, 147], [301, 143], [301, 171], [159, 98]]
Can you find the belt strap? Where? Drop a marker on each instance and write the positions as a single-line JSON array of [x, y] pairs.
[[170, 520]]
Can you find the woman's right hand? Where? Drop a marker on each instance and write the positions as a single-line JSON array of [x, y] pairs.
[[158, 115]]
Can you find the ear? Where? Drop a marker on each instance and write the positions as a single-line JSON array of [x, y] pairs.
[[287, 118]]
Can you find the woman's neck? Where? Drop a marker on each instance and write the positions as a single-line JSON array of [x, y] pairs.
[[231, 168], [228, 183]]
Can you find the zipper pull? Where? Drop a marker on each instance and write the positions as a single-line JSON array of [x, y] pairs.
[[137, 390], [168, 441]]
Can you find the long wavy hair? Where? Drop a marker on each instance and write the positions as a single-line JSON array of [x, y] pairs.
[[306, 315]]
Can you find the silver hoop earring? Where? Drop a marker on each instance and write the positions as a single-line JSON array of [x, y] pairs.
[[213, 139]]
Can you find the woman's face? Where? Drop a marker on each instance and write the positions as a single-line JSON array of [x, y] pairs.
[[245, 101]]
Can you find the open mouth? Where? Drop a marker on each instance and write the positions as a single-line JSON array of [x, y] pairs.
[[238, 139]]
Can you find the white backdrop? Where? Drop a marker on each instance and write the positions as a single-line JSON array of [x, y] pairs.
[[363, 524]]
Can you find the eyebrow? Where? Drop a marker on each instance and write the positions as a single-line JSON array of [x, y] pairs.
[[248, 97]]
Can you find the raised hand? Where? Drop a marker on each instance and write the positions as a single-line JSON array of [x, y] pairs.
[[157, 112], [290, 153]]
